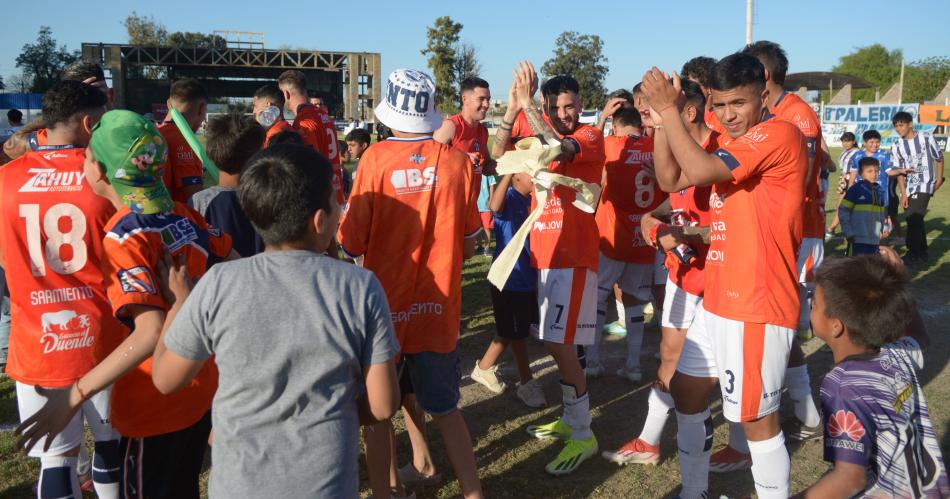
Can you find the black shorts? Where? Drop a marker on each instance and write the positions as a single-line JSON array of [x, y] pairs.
[[893, 201], [514, 312], [167, 465]]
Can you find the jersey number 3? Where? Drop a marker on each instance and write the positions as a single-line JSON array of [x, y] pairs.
[[51, 225]]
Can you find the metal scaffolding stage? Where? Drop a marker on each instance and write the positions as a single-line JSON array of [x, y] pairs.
[[349, 82]]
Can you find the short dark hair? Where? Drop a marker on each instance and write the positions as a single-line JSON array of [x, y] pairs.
[[637, 89], [231, 139], [902, 117], [848, 136], [870, 134], [281, 189], [271, 93], [737, 70], [286, 137], [771, 55], [700, 68], [621, 93], [358, 135], [868, 161], [83, 69], [695, 96], [188, 90], [560, 84], [67, 98], [294, 78], [14, 115], [627, 116], [471, 83], [869, 296]]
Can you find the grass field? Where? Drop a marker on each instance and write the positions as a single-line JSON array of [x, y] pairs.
[[511, 463]]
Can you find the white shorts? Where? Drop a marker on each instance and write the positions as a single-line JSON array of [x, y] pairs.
[[679, 307], [749, 359], [660, 273], [634, 279], [95, 411], [810, 256], [567, 301]]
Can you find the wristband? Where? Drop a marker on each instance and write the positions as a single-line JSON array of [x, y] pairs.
[[503, 123], [82, 395], [664, 108], [505, 128]]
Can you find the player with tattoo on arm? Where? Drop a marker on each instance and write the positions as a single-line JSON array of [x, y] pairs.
[[564, 248]]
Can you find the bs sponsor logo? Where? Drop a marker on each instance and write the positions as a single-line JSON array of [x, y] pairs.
[[413, 180], [178, 234]]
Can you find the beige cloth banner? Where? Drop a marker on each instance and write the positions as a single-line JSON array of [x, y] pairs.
[[532, 156]]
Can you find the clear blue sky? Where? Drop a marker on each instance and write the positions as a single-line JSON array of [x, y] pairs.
[[636, 34]]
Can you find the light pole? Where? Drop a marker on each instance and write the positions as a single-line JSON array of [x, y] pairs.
[[748, 22]]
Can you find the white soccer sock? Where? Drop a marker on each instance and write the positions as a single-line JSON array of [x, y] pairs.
[[593, 350], [694, 440], [660, 404], [771, 467], [634, 322], [799, 389], [737, 438], [576, 412], [618, 304], [58, 477]]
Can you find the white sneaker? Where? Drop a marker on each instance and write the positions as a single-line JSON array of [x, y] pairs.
[[633, 374], [487, 378], [594, 370], [531, 394]]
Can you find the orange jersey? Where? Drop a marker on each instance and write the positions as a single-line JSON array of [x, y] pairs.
[[184, 167], [51, 241], [309, 122], [793, 109], [563, 236], [412, 205], [333, 141], [134, 245], [471, 139], [756, 227], [276, 128], [630, 190], [690, 207]]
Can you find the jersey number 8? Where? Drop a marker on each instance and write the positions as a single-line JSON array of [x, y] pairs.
[[55, 238]]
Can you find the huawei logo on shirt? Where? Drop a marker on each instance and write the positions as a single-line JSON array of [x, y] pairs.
[[845, 423]]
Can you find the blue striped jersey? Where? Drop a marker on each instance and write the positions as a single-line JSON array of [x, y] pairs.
[[921, 153]]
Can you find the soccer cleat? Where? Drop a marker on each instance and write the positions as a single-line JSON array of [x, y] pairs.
[[572, 455], [594, 370], [802, 433], [633, 374], [615, 329], [531, 394], [728, 459], [487, 378], [636, 451], [805, 334], [558, 429]]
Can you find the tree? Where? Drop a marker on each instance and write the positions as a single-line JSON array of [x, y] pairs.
[[20, 83], [2, 85], [442, 39], [43, 62], [145, 30], [876, 65], [194, 39], [923, 80], [466, 62], [581, 56]]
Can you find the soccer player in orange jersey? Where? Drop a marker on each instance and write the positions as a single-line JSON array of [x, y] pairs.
[[62, 325], [750, 302], [269, 111], [163, 436], [564, 249], [184, 173], [412, 218], [307, 120], [333, 152], [626, 259], [685, 257]]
